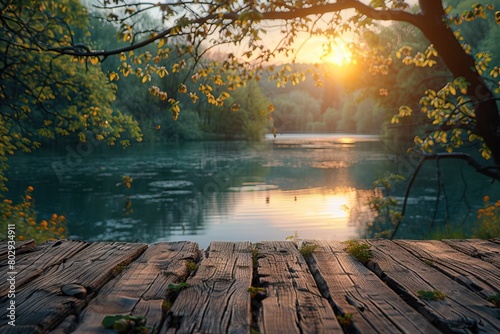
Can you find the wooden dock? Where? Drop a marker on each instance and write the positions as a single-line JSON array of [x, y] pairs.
[[69, 286]]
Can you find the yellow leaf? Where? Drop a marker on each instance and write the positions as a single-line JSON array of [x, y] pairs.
[[405, 111], [485, 153], [114, 76], [193, 97], [160, 43], [472, 137]]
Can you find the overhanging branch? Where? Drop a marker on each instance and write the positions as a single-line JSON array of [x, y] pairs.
[[376, 14], [490, 171]]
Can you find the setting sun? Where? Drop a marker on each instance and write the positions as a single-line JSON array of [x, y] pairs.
[[319, 50], [339, 54]]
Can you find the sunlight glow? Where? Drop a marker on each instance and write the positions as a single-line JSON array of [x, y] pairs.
[[337, 206], [339, 54], [318, 49]]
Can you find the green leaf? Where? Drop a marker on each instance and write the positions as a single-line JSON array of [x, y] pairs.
[[177, 287], [110, 320], [431, 295]]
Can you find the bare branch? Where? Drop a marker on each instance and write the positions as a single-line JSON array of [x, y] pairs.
[[490, 171]]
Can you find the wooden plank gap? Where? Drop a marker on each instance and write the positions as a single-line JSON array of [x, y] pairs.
[[353, 289], [293, 302], [142, 288], [42, 302], [482, 249], [217, 298], [459, 310], [43, 257], [480, 277]]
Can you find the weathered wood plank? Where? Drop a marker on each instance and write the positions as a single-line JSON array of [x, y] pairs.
[[293, 303], [217, 300], [461, 311], [233, 247], [478, 276], [481, 249], [142, 287], [21, 247], [31, 264], [67, 326], [41, 303], [31, 329], [354, 289]]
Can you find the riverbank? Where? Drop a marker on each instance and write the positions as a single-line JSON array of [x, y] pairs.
[[176, 287]]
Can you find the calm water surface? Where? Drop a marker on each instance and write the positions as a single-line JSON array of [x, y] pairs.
[[317, 186]]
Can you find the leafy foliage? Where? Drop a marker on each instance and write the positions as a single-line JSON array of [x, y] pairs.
[[451, 110], [24, 217], [44, 96], [488, 225], [126, 323], [495, 299], [386, 206], [254, 291], [359, 250], [177, 287], [431, 295], [345, 320], [307, 249]]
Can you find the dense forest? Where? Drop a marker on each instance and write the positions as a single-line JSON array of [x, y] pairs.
[[346, 101]]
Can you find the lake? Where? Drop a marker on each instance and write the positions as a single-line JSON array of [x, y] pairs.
[[316, 186]]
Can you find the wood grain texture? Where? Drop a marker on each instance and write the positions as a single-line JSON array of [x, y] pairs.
[[217, 300], [480, 277], [482, 249], [293, 303], [461, 311], [142, 287], [30, 265], [21, 247], [353, 288], [302, 294], [41, 302]]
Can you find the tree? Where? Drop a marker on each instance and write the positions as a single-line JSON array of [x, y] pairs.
[[44, 96], [465, 109]]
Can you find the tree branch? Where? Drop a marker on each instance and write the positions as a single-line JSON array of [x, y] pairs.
[[384, 15], [490, 171]]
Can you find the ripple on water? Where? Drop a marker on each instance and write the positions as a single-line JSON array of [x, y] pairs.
[[253, 187], [171, 184]]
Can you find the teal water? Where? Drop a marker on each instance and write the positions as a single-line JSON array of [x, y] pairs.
[[317, 186]]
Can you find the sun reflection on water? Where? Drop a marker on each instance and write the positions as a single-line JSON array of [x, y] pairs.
[[321, 212]]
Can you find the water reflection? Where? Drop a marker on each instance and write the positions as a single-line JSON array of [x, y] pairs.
[[207, 191]]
